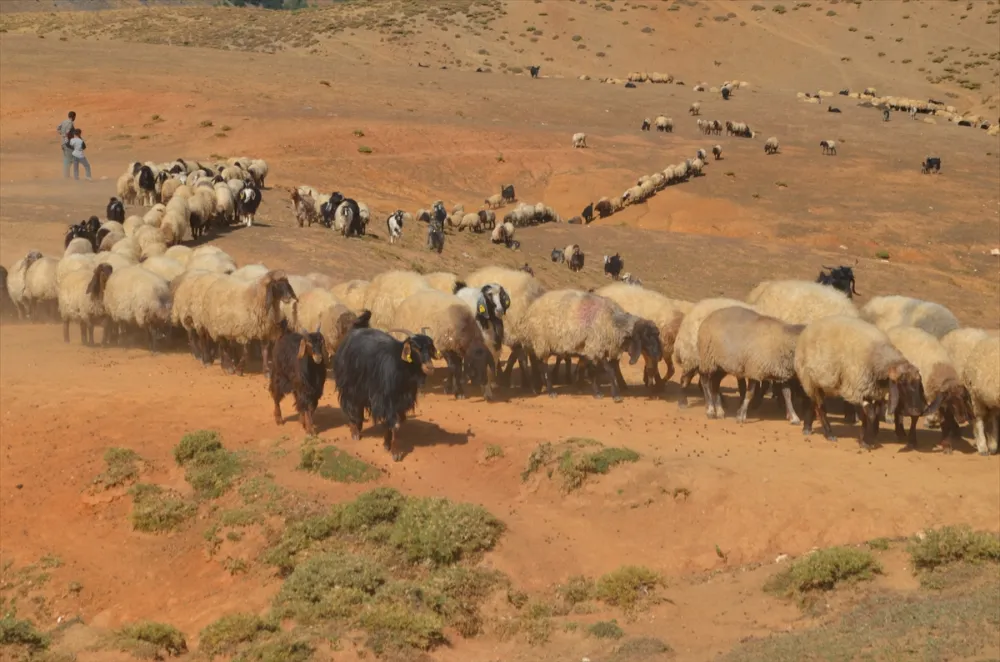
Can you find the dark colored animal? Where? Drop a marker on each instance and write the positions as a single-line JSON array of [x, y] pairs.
[[604, 208], [507, 193], [725, 94], [513, 244], [558, 255], [85, 230], [298, 367], [424, 216], [354, 225], [526, 268], [8, 311], [115, 210], [136, 167], [329, 208], [940, 103], [178, 168], [480, 369], [885, 115], [645, 125], [147, 181], [613, 265], [588, 213], [845, 92], [487, 219], [931, 163], [964, 123], [576, 220], [630, 85], [379, 375], [831, 109], [534, 71], [95, 290], [439, 213], [576, 260], [435, 236], [840, 278], [247, 202]]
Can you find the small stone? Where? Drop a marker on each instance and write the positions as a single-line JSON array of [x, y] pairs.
[[781, 558]]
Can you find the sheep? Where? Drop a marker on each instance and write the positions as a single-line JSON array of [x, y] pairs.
[[180, 254], [931, 163], [133, 223], [452, 327], [164, 266], [848, 357], [558, 255], [188, 292], [664, 124], [235, 313], [495, 201], [579, 140], [78, 262], [701, 154], [960, 343], [78, 246], [717, 152], [685, 355], [81, 299], [889, 311], [696, 167], [225, 204], [749, 346], [16, 286], [8, 311], [487, 219], [376, 373], [444, 281], [136, 297], [771, 145], [665, 313], [570, 322], [488, 303], [169, 189], [364, 214], [982, 378], [114, 260], [215, 262], [394, 225], [145, 186], [300, 369], [695, 108], [502, 233], [258, 171], [471, 222], [576, 257], [150, 241], [507, 193], [115, 210], [941, 382], [604, 208], [351, 294], [126, 189], [387, 290], [305, 207], [799, 301], [613, 265], [829, 147], [320, 309], [348, 219], [41, 288], [645, 125], [522, 288]]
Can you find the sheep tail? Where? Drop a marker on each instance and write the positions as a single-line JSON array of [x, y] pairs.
[[363, 320]]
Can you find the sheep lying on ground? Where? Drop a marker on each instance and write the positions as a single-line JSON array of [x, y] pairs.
[[300, 369], [942, 384], [847, 357], [579, 140], [81, 299], [378, 374], [135, 298], [889, 311], [756, 348], [982, 378], [448, 322]]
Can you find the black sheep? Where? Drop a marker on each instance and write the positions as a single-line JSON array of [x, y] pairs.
[[831, 109], [613, 265], [378, 374], [630, 85], [558, 255], [604, 208], [299, 368], [534, 71], [115, 210], [83, 231], [329, 208], [931, 163]]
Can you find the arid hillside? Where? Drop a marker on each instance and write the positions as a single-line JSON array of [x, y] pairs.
[[530, 528]]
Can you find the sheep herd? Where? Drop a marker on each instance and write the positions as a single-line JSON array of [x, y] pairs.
[[892, 359]]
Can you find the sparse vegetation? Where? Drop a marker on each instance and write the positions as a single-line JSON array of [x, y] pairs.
[[575, 463], [606, 630], [882, 255], [364, 149], [630, 587], [227, 634], [951, 544], [208, 467], [494, 451], [758, 8], [21, 634], [779, 9], [151, 640], [205, 124], [122, 468], [823, 570], [334, 464], [156, 510]]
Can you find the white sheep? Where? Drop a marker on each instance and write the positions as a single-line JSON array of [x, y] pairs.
[[799, 301], [829, 147], [81, 300], [717, 152], [982, 378], [502, 233], [387, 290], [164, 266], [495, 201], [695, 108], [136, 297], [41, 288], [579, 140], [78, 246], [351, 294], [664, 124], [685, 356], [470, 222], [848, 357], [16, 283], [771, 145], [889, 311], [180, 254]]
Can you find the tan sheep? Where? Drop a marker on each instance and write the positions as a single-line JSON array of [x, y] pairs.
[[887, 312], [320, 311], [444, 281], [137, 298], [351, 294], [685, 356], [982, 378], [848, 357], [799, 301], [751, 347], [81, 300], [41, 288], [387, 290]]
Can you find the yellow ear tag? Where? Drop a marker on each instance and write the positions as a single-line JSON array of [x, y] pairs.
[[408, 358], [482, 309]]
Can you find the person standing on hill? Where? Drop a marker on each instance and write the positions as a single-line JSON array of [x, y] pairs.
[[77, 146], [65, 130]]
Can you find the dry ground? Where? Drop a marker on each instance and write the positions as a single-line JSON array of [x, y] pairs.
[[709, 504]]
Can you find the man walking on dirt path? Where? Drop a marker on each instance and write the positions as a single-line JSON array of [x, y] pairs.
[[65, 130]]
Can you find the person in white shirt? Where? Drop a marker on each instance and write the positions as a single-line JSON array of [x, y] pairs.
[[77, 145]]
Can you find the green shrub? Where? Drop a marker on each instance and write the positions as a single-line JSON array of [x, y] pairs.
[[229, 632], [14, 632], [282, 649], [334, 464], [364, 149], [440, 531], [606, 630], [208, 467], [628, 587], [122, 468], [396, 627], [151, 639], [823, 570], [331, 585], [155, 509], [951, 544]]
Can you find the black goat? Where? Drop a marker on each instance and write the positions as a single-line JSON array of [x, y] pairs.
[[534, 71], [354, 225], [831, 109], [378, 374], [299, 367], [247, 202], [507, 193], [576, 260], [84, 230], [588, 213], [840, 278], [931, 163], [613, 265], [146, 185], [115, 210]]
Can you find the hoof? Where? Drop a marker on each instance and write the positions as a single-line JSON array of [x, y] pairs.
[[459, 396], [396, 457], [598, 396], [908, 448], [806, 432], [830, 437], [355, 436], [984, 453], [279, 421], [947, 450], [682, 404], [552, 394], [619, 399]]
